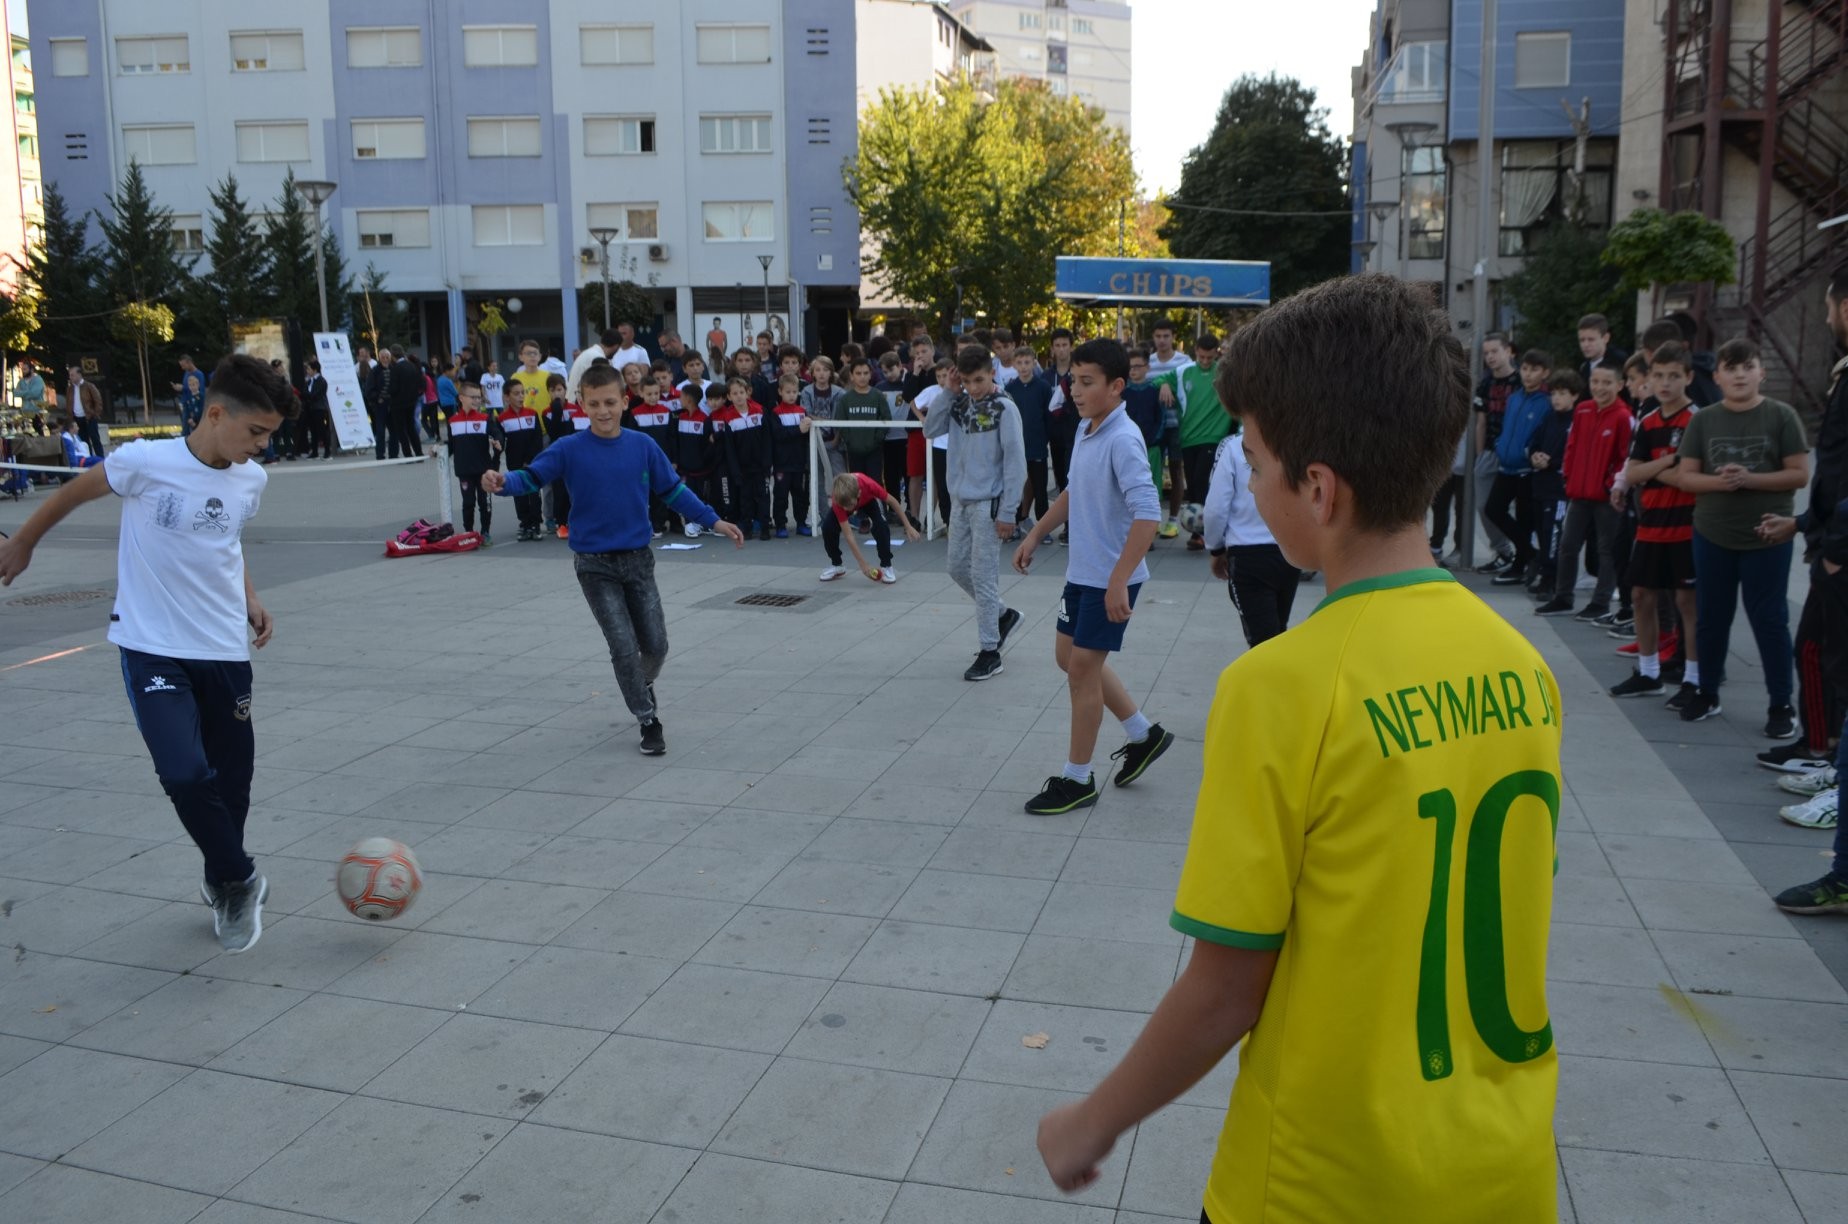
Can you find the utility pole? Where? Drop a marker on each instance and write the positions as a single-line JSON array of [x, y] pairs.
[[1122, 211], [1581, 129], [1487, 231]]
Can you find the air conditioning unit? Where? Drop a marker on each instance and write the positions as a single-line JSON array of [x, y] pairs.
[[657, 252], [587, 255]]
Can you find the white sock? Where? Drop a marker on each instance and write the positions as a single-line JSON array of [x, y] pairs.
[[1136, 727], [1078, 773], [1693, 673], [1649, 665]]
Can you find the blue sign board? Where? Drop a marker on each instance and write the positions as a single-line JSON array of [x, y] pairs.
[[1183, 282]]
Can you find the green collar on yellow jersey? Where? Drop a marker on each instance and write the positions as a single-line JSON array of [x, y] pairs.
[[1387, 582]]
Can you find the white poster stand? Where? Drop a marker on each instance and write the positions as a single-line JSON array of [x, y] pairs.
[[345, 401]]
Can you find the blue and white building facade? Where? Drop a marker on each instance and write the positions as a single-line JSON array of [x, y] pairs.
[[1416, 153], [477, 143]]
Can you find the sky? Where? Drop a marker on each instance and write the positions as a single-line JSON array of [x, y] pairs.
[[1181, 62]]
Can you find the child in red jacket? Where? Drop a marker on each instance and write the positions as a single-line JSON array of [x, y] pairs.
[[1597, 448]]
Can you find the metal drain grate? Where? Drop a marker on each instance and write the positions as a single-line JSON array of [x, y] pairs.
[[54, 598], [768, 600]]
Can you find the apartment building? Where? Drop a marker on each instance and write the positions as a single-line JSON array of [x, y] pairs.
[[1078, 47]]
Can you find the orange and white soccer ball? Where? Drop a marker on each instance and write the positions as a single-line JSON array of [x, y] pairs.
[[379, 878]]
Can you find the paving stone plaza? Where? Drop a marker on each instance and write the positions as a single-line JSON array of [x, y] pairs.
[[782, 974]]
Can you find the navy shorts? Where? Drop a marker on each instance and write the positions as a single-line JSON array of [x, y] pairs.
[[1082, 617]]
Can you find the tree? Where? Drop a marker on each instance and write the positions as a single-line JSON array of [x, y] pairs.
[[376, 316], [629, 303], [236, 285], [1563, 279], [1654, 249], [139, 267], [289, 232], [143, 324], [971, 200], [1270, 151], [62, 274]]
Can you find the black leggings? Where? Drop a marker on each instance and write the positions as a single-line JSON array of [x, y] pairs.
[[1198, 463], [894, 453], [474, 495], [1510, 508], [882, 533], [1036, 477], [1449, 497], [1263, 586]]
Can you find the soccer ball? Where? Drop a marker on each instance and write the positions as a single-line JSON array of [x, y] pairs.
[[1193, 519], [378, 879]]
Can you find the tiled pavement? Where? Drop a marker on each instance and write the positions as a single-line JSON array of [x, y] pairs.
[[783, 973]]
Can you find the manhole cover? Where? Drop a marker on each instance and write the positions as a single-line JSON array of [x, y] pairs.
[[769, 600], [54, 598]]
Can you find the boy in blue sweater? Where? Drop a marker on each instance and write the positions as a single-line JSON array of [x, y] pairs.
[[611, 474], [1511, 499]]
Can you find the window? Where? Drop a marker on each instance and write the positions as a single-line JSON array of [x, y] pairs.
[[25, 103], [135, 56], [631, 221], [1055, 57], [168, 144], [734, 44], [1423, 193], [267, 51], [1542, 60], [188, 232], [384, 47], [1538, 189], [1056, 22], [748, 222], [734, 133], [616, 44], [272, 142], [388, 139], [1082, 25], [393, 227], [70, 57], [500, 46], [509, 225], [1032, 54], [1418, 73], [28, 147], [516, 136], [1030, 21], [617, 135]]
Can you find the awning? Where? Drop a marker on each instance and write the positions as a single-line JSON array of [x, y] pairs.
[[1166, 282]]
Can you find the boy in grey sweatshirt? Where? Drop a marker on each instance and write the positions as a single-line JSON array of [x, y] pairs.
[[987, 468]]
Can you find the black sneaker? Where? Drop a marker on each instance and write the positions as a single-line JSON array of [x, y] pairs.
[[1137, 757], [986, 664], [1683, 695], [1061, 794], [1009, 620], [1829, 895], [1780, 722], [1794, 758], [1556, 606], [1594, 614], [238, 919], [1497, 564], [654, 743], [1699, 707], [1508, 577], [1625, 623], [1638, 685]]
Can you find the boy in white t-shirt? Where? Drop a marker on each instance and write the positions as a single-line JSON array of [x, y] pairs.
[[184, 612], [491, 385]]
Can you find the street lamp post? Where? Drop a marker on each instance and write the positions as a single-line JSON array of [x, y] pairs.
[[1382, 209], [603, 236], [766, 261], [317, 192]]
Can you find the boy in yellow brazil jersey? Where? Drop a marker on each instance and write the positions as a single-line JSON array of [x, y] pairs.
[[1370, 875]]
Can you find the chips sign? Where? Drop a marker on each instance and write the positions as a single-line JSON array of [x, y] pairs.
[[1181, 282]]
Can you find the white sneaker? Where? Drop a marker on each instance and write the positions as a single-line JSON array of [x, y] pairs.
[[1810, 783], [832, 572], [888, 575], [1818, 813]]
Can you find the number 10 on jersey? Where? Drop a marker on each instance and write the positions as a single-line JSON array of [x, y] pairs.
[[1485, 973]]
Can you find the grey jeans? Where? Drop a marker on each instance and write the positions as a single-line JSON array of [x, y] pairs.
[[1487, 466], [620, 589], [975, 563], [1581, 517]]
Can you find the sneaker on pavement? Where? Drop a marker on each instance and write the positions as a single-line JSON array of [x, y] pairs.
[[1169, 529], [1061, 794], [782, 533], [564, 531], [1010, 620], [1638, 685], [1794, 758], [1684, 694], [1511, 576], [1496, 564], [1629, 649], [1594, 614], [1810, 784], [888, 575], [1829, 895], [1138, 755], [1699, 708], [1818, 813], [987, 663], [239, 920], [214, 898], [1559, 605], [654, 743], [1195, 543], [833, 572], [1453, 560], [1780, 722]]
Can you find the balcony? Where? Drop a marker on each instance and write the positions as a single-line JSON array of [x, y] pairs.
[[1419, 72]]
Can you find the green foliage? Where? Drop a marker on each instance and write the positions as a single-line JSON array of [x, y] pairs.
[[18, 322], [62, 273], [376, 318], [629, 303], [235, 283], [1653, 248], [1270, 150], [1565, 277], [139, 262], [969, 201], [144, 325]]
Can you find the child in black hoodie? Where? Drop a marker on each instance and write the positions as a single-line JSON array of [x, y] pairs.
[[523, 440], [474, 448], [692, 451], [650, 416], [1545, 450], [789, 455]]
